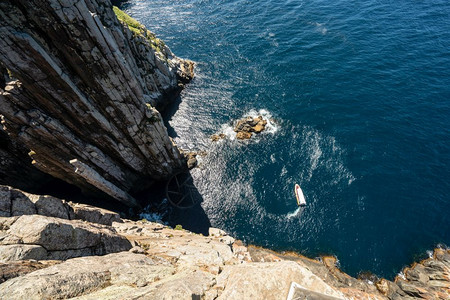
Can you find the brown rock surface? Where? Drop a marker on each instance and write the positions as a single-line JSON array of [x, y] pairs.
[[428, 279], [243, 135], [244, 128], [217, 137]]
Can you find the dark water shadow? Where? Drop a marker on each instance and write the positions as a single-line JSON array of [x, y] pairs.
[[186, 201], [193, 219], [122, 4], [190, 216], [167, 114]]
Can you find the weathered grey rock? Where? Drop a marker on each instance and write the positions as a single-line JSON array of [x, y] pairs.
[[84, 275], [428, 279], [14, 202], [222, 235], [94, 214], [22, 252], [268, 281], [53, 238], [44, 205], [18, 268], [184, 248], [84, 89], [177, 264], [185, 286]]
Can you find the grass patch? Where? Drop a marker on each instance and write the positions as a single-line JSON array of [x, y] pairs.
[[122, 16], [9, 73], [139, 29]]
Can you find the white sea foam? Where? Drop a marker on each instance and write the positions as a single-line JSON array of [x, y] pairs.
[[401, 275], [152, 217], [227, 129], [294, 213], [320, 27], [272, 158], [271, 127], [284, 171]]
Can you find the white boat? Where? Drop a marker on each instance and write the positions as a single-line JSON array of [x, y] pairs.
[[299, 194]]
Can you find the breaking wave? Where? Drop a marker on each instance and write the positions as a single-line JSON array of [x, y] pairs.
[[271, 126]]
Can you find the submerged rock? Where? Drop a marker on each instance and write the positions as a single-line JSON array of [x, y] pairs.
[[217, 137]]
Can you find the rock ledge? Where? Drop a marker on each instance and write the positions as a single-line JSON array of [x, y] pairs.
[[92, 261]]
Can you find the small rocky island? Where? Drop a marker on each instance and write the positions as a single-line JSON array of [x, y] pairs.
[[245, 128]]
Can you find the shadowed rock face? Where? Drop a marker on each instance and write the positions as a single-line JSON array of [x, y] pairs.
[[84, 95]]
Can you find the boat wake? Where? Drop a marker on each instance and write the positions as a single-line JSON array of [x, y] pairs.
[[294, 213]]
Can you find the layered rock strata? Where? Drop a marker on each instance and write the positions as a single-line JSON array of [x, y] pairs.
[[83, 94], [14, 163], [176, 264]]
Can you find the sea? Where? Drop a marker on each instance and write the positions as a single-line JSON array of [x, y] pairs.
[[357, 93]]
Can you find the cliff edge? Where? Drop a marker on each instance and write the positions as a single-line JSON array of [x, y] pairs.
[[54, 249], [79, 88]]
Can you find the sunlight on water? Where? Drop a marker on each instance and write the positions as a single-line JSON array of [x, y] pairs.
[[357, 98]]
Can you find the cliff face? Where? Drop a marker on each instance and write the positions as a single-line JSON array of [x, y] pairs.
[[46, 241], [84, 94]]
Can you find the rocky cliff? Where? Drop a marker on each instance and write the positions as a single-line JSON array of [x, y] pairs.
[[53, 249], [79, 89]]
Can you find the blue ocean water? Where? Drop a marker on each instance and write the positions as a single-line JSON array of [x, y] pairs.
[[359, 93]]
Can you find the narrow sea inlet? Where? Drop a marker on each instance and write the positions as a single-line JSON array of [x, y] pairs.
[[359, 95]]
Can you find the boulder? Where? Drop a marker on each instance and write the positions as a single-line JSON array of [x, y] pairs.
[[14, 202], [244, 128], [53, 238], [94, 214], [192, 162], [243, 135], [22, 252], [258, 128], [217, 137]]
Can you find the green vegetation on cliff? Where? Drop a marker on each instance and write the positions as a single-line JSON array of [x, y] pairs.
[[140, 30]]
